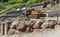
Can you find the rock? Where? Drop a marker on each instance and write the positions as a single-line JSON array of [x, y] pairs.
[[40, 23], [52, 24], [49, 24], [17, 32], [11, 31], [36, 26], [31, 23], [58, 23], [37, 30], [22, 27], [13, 24], [44, 25], [57, 27], [29, 30]]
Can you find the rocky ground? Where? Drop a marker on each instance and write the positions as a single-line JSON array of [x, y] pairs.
[[37, 32]]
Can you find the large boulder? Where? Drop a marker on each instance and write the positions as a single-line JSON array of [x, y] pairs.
[[13, 24]]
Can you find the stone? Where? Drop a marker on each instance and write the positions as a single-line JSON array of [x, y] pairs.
[[22, 27], [13, 24], [36, 26], [37, 30], [29, 30], [44, 25], [11, 31], [57, 27], [17, 32]]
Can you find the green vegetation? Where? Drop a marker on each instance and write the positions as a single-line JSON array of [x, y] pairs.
[[6, 5], [11, 4]]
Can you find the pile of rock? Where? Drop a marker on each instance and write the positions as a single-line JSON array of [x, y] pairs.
[[33, 26]]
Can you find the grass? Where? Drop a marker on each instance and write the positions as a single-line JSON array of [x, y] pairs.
[[9, 7]]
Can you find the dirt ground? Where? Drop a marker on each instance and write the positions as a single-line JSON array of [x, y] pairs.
[[52, 33]]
